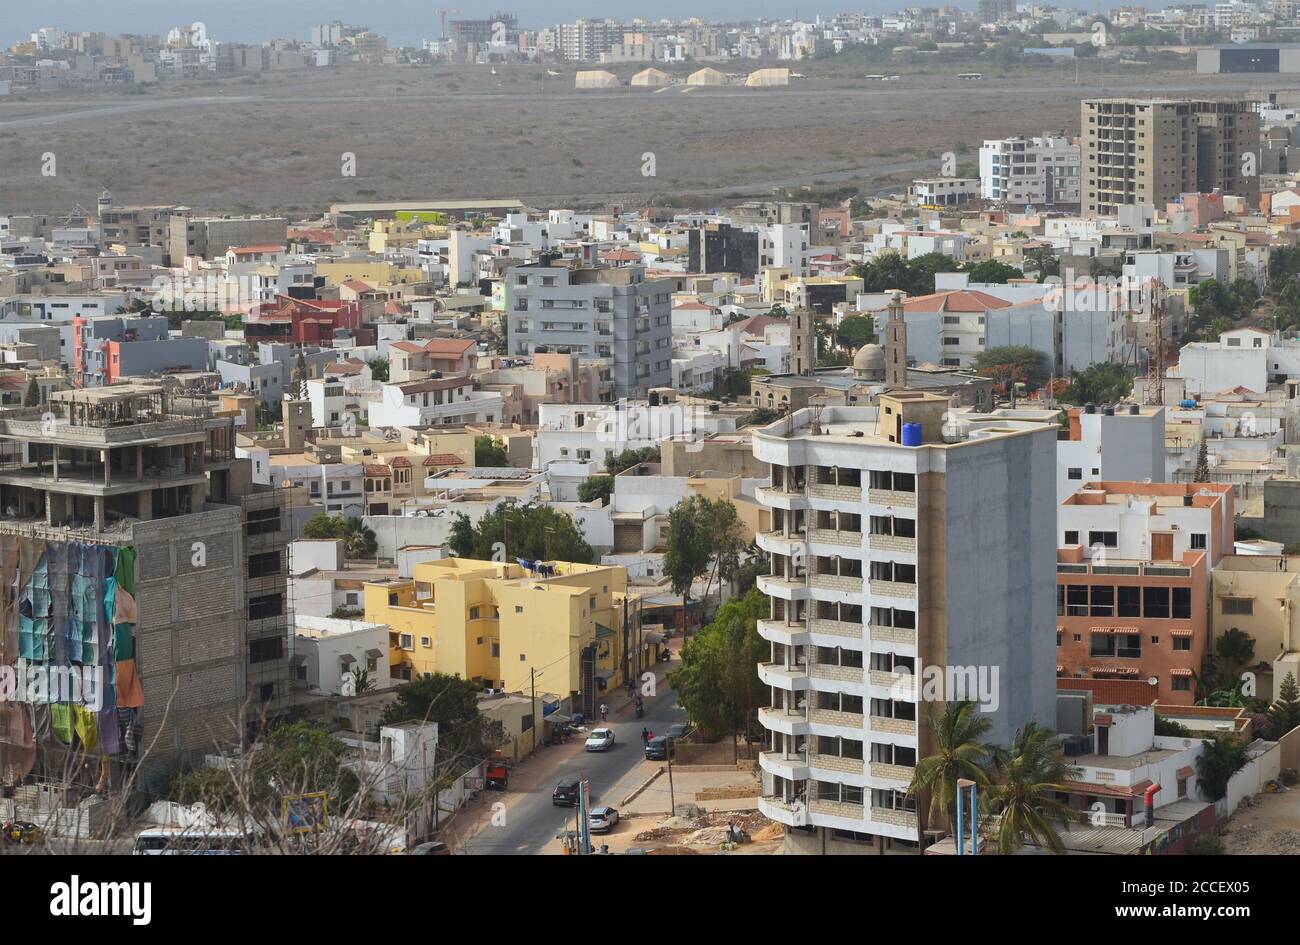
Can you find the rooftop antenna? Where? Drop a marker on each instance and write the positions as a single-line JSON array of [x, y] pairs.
[[1155, 392]]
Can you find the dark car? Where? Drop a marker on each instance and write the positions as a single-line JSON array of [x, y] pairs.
[[565, 794], [432, 848], [678, 731], [657, 748]]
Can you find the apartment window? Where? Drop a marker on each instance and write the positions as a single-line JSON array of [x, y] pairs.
[[1181, 603], [1129, 601], [1181, 684], [1198, 541], [1072, 537], [263, 651], [270, 605], [262, 522], [1102, 644], [473, 615], [426, 642], [1128, 646], [260, 565], [1103, 601], [1238, 605], [523, 658], [1155, 602], [1075, 472], [496, 649], [1105, 539], [1182, 643], [1076, 600], [406, 641], [519, 609]]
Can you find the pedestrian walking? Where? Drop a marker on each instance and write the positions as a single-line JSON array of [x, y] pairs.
[[645, 737]]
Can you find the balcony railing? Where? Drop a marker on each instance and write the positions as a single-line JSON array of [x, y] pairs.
[[897, 818], [838, 628], [836, 763], [849, 674], [880, 723], [888, 772], [833, 536], [838, 582], [892, 497], [836, 717], [897, 636], [828, 490]]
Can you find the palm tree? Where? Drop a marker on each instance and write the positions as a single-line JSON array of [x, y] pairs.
[[959, 754], [1026, 777]]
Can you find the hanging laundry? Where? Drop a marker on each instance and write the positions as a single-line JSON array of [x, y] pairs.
[[85, 727], [130, 694], [61, 721]]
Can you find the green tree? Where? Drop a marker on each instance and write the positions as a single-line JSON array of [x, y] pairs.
[[1203, 462], [958, 753], [628, 458], [1244, 295], [379, 370], [716, 683], [1027, 778], [1210, 300], [1284, 713], [1101, 383], [854, 332], [1235, 650], [1019, 363], [488, 452], [358, 540], [465, 736], [1224, 756], [597, 488], [925, 268], [1172, 728], [1043, 263], [760, 417], [292, 758], [532, 532], [689, 549], [991, 271]]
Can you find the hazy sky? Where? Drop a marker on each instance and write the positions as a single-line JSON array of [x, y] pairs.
[[405, 22]]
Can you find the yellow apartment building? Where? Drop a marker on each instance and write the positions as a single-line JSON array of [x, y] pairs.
[[1260, 595], [570, 627]]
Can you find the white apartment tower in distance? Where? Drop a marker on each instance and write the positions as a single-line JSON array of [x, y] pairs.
[[1041, 172], [906, 541]]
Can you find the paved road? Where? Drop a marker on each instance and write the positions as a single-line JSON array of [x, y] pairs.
[[532, 820]]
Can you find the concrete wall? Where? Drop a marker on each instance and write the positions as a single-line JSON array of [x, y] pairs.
[[191, 634], [1000, 572]]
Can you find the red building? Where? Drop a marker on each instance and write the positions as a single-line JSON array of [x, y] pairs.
[[304, 321]]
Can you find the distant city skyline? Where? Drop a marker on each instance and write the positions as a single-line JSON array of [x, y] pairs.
[[404, 22]]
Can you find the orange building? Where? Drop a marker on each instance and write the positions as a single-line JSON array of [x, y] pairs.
[[1133, 581]]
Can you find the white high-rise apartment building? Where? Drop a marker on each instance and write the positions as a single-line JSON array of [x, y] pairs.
[[1042, 172], [905, 541]]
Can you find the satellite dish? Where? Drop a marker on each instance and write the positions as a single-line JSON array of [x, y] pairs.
[[1153, 680]]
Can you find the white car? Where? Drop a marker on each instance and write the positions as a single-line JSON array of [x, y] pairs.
[[600, 739], [602, 819]]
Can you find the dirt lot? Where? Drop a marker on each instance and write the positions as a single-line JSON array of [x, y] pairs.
[[1270, 825], [699, 834], [276, 143]]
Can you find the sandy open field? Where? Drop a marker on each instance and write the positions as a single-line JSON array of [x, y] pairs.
[[275, 143]]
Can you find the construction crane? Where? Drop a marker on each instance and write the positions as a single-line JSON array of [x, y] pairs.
[[442, 15]]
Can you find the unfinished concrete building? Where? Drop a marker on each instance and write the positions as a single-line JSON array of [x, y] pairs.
[[1151, 151], [133, 546]]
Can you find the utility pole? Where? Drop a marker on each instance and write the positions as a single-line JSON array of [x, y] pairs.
[[532, 682], [672, 797]]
